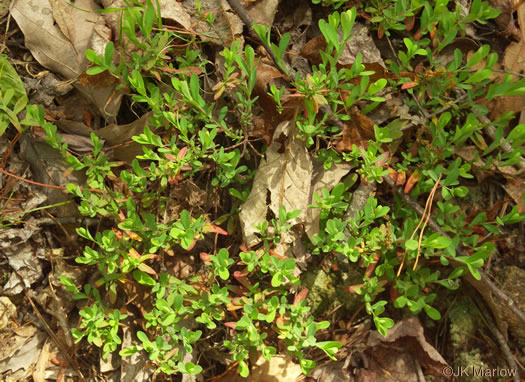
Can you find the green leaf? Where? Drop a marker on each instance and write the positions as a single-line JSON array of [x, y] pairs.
[[10, 82], [143, 278], [436, 241], [277, 279], [411, 244], [192, 369], [329, 33], [243, 369], [329, 347], [126, 352], [108, 53], [223, 273], [95, 70], [143, 337], [432, 312], [479, 76]]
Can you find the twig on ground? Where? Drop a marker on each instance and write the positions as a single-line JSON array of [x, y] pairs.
[[62, 188]]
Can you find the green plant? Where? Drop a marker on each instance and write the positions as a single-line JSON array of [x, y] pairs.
[[13, 97], [250, 299]]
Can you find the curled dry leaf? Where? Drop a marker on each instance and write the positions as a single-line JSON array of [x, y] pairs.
[[396, 353]]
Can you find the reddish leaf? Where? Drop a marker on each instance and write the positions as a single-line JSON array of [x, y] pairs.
[[205, 257], [392, 174], [182, 153], [157, 75], [170, 157], [409, 22], [192, 245], [411, 182], [372, 266], [401, 178], [300, 296], [354, 288], [230, 324], [242, 278], [380, 32], [133, 253], [409, 85], [273, 253], [214, 228]]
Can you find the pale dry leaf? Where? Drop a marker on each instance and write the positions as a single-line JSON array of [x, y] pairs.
[[361, 42], [27, 269], [65, 55], [62, 16], [52, 48], [39, 372], [280, 368], [226, 27], [174, 11], [133, 367], [12, 343], [263, 12], [26, 355], [407, 336], [514, 61], [285, 173], [7, 313]]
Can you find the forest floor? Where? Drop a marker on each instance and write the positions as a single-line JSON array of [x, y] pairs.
[[336, 196]]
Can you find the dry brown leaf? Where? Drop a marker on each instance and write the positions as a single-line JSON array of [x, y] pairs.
[[174, 12], [505, 20], [515, 188], [120, 136], [280, 368], [263, 11], [62, 16], [514, 61], [357, 131], [285, 173], [392, 357], [271, 118], [515, 185], [48, 44]]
